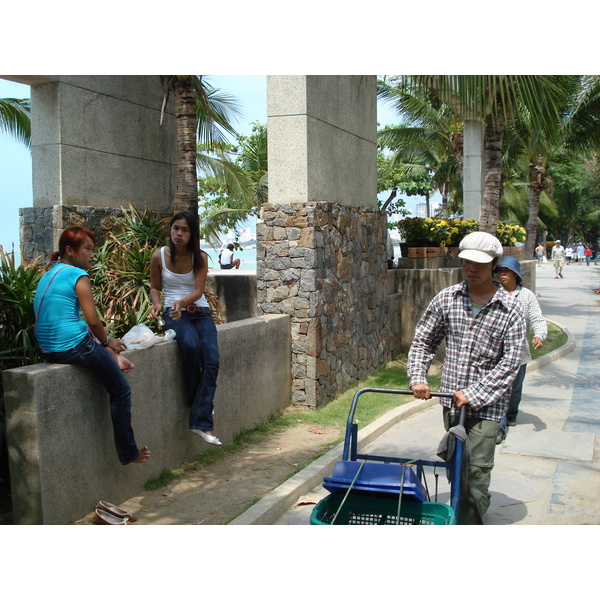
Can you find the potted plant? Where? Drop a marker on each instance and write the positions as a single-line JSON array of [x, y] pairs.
[[509, 233]]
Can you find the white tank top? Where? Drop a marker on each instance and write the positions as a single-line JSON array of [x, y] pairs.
[[176, 285]]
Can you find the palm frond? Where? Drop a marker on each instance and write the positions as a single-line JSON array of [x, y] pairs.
[[15, 119]]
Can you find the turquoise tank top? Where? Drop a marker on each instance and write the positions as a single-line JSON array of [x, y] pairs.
[[59, 325]]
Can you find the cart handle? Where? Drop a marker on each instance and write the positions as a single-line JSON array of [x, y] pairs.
[[351, 430], [350, 421]]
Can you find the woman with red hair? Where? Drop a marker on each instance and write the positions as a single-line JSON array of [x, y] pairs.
[[64, 337]]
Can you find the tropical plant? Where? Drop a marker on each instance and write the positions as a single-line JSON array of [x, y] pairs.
[[203, 114], [428, 139], [17, 319], [15, 119], [495, 100], [577, 196], [230, 196], [121, 271]]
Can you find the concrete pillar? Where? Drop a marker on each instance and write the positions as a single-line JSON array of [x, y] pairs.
[[97, 142], [322, 139], [473, 169], [321, 252]]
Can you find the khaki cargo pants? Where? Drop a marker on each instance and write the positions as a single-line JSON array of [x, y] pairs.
[[475, 499]]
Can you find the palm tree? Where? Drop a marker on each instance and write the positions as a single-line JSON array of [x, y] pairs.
[[495, 100], [430, 138], [576, 127], [238, 185], [15, 119], [201, 113]]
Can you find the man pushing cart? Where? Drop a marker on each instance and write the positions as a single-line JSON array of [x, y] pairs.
[[484, 330]]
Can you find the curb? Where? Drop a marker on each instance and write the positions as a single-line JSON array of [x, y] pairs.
[[267, 510], [569, 346]]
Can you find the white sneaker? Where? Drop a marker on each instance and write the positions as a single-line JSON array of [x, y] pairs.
[[211, 439]]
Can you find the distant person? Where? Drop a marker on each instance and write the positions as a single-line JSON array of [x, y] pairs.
[[569, 254], [588, 254], [580, 252], [540, 252], [558, 257], [64, 337], [227, 260], [179, 270], [509, 274], [484, 330], [574, 253]]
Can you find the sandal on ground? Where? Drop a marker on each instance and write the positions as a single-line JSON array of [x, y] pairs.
[[211, 439], [116, 511], [101, 517]]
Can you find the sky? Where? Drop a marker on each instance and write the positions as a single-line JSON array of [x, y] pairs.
[[15, 159]]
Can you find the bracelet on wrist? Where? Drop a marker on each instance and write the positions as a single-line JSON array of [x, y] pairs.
[[105, 343]]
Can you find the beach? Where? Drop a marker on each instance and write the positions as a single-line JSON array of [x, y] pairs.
[[248, 258]]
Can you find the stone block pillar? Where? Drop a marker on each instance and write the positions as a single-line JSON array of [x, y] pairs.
[[321, 255]]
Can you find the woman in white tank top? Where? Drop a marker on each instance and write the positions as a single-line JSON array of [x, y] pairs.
[[180, 271]]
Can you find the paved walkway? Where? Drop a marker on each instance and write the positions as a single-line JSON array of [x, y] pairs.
[[547, 470]]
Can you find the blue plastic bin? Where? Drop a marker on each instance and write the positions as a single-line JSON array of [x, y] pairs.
[[376, 479]]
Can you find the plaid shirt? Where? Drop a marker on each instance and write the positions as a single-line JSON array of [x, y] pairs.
[[483, 353]]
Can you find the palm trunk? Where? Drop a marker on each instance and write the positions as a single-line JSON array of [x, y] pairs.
[[186, 183], [537, 177], [490, 206], [444, 212]]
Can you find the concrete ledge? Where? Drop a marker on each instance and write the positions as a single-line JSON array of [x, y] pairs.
[[236, 290], [61, 453]]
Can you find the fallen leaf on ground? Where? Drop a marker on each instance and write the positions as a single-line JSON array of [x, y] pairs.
[[306, 500], [319, 431]]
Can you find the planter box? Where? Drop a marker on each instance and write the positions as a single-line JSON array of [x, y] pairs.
[[516, 251], [425, 252]]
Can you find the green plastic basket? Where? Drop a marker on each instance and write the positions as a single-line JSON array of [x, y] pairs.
[[360, 509]]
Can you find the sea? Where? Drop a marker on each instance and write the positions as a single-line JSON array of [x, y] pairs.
[[247, 256]]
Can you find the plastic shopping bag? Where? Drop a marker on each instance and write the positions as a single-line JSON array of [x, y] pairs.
[[167, 335], [138, 337]]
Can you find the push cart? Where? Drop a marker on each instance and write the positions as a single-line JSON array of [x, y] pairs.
[[367, 489]]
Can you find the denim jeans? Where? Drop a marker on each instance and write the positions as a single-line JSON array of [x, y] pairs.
[[196, 333], [515, 398], [95, 358]]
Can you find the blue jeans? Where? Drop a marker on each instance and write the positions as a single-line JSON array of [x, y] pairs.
[[96, 359], [196, 333], [515, 398]]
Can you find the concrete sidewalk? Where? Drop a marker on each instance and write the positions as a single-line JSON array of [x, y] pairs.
[[547, 470]]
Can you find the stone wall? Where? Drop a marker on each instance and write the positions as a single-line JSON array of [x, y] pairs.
[[41, 227], [325, 265]]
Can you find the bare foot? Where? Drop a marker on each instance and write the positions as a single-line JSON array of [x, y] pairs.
[[125, 365], [143, 456]]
